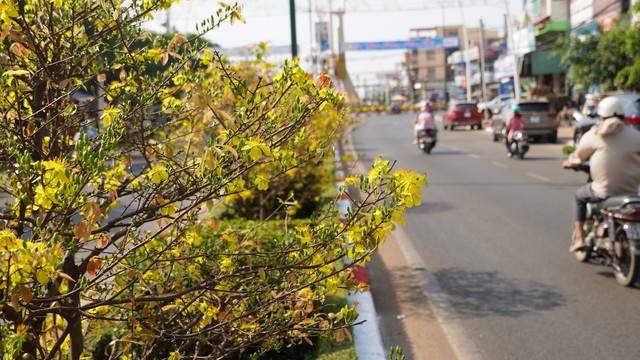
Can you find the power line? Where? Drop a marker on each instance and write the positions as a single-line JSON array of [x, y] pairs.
[[259, 8], [362, 6]]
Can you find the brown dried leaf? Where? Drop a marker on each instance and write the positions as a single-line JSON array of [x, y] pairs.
[[65, 276], [92, 212], [131, 273], [82, 230], [339, 335], [25, 293], [15, 302], [214, 223], [4, 33], [309, 308], [91, 268], [169, 307], [348, 333], [31, 128], [114, 194], [19, 50], [104, 240]]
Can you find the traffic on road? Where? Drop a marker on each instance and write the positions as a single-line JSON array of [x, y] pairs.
[[481, 269]]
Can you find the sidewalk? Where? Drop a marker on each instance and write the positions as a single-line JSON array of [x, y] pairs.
[[366, 337], [410, 323]]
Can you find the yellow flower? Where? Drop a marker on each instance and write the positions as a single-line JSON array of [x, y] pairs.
[[110, 114], [158, 174], [44, 197], [261, 182]]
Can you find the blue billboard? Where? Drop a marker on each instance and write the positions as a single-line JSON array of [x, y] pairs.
[[448, 42]]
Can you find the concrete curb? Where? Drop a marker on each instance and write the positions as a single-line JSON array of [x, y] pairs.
[[366, 337]]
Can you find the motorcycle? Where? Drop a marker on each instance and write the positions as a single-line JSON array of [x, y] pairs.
[[519, 145], [612, 235], [427, 139]]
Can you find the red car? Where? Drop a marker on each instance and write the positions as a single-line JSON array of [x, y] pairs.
[[460, 113]]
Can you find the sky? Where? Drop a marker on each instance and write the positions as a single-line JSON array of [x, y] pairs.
[[364, 21]]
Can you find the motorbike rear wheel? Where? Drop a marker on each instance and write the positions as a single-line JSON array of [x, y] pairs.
[[627, 264]]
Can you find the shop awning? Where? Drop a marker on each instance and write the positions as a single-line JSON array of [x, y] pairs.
[[546, 62]]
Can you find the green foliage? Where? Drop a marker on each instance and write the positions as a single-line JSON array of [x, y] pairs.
[[608, 59], [103, 247], [296, 195], [395, 353]]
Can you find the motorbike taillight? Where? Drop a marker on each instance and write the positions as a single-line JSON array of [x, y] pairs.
[[630, 212], [633, 120], [428, 131]]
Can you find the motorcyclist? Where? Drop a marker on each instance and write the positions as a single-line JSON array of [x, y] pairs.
[[514, 123], [424, 120], [613, 151]]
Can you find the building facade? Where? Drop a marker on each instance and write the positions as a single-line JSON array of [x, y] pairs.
[[429, 74], [537, 59]]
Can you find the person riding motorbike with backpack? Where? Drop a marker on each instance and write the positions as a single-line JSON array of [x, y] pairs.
[[613, 151]]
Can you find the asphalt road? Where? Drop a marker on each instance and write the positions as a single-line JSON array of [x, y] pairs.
[[493, 233]]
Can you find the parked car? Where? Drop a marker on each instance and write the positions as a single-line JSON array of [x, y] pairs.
[[494, 105], [584, 122], [462, 113], [540, 119]]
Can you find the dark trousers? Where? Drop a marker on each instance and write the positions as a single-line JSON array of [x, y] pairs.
[[583, 195]]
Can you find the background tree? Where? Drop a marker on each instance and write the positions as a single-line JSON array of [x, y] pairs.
[[105, 233], [607, 59]]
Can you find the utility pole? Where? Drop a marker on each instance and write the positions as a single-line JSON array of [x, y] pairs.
[[294, 41], [467, 62], [445, 92], [483, 83], [514, 54]]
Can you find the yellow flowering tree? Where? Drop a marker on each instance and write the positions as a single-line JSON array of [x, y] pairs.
[[102, 227]]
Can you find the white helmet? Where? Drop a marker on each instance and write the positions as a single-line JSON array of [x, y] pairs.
[[610, 107]]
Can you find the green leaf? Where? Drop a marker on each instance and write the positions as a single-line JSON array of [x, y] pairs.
[[15, 72]]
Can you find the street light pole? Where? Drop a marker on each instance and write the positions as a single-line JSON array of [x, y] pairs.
[[311, 52], [445, 92], [294, 41]]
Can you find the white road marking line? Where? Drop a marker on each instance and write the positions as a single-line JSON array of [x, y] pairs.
[[499, 164], [536, 176], [474, 156]]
